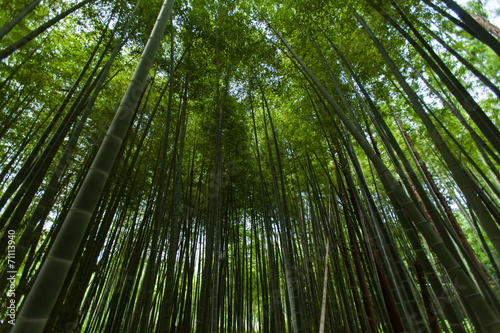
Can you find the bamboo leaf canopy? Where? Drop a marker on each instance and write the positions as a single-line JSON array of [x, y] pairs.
[[249, 166]]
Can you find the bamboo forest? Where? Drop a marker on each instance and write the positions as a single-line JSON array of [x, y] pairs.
[[249, 166]]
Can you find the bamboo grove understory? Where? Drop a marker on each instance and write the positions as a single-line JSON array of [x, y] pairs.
[[249, 166]]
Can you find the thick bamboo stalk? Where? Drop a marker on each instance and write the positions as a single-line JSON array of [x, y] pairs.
[[41, 299]]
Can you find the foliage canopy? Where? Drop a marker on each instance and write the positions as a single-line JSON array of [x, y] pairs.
[[270, 166]]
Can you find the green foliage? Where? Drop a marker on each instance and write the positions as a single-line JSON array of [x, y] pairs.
[[266, 226]]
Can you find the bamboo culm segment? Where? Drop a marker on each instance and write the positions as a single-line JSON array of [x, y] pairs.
[[40, 301]]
